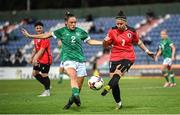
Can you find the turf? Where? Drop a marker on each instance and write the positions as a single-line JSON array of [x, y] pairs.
[[140, 96]]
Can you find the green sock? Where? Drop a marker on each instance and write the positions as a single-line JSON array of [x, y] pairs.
[[75, 91], [171, 76], [166, 78], [173, 79], [165, 74]]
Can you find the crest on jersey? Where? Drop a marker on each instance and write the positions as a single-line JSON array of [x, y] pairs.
[[129, 35], [77, 33]]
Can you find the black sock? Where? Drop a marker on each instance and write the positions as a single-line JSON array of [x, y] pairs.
[[116, 93], [39, 78], [114, 80], [46, 82]]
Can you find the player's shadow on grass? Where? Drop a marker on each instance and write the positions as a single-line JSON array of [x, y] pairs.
[[75, 108]]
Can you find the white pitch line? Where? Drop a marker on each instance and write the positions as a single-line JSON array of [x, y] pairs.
[[146, 88]]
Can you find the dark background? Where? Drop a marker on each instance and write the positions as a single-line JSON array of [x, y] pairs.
[[9, 5]]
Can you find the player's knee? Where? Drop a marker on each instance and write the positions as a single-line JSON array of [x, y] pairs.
[[44, 75], [34, 73], [116, 76]]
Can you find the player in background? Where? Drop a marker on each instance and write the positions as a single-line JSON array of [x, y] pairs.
[[121, 38], [61, 67], [41, 59], [73, 56], [167, 49]]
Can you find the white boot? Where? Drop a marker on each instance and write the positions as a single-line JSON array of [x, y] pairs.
[[45, 93]]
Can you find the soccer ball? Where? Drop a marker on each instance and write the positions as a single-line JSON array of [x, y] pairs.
[[95, 82]]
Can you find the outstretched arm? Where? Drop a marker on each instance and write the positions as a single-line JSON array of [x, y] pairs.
[[107, 42], [94, 42], [39, 36], [159, 51], [145, 49]]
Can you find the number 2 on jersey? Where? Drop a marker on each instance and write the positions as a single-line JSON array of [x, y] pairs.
[[73, 39]]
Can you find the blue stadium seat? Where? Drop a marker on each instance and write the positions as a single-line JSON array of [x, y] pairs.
[[172, 25]]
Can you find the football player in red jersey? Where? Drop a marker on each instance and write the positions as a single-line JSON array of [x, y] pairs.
[[122, 38], [41, 59]]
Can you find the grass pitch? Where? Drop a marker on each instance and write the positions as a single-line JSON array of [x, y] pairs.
[[140, 96]]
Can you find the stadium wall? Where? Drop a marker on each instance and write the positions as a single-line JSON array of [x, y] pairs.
[[159, 9], [8, 73], [144, 71], [136, 70]]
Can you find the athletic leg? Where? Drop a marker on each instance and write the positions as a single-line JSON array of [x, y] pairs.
[[165, 75]]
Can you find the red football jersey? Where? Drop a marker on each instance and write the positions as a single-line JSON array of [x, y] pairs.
[[46, 57], [122, 43]]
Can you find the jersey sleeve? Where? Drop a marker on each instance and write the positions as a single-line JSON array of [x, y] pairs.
[[160, 47], [136, 38], [170, 42], [85, 36], [109, 36], [45, 43], [57, 34]]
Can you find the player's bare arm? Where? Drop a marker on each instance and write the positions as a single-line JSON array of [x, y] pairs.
[[32, 55], [94, 42], [39, 36], [145, 49], [158, 54], [37, 56], [107, 42], [173, 52], [60, 43]]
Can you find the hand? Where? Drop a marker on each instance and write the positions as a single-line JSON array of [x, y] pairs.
[[151, 54], [31, 61], [107, 42], [35, 63], [25, 33], [173, 58], [107, 38]]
